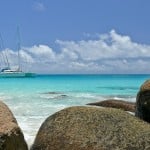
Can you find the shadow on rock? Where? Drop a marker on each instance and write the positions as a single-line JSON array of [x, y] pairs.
[[143, 102], [11, 136]]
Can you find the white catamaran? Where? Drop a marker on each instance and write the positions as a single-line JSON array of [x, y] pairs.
[[7, 71]]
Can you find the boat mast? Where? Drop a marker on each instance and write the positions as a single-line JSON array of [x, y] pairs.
[[4, 54], [18, 48]]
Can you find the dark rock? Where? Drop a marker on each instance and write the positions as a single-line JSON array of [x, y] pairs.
[[92, 128], [143, 102], [11, 136], [124, 105], [52, 93], [63, 96]]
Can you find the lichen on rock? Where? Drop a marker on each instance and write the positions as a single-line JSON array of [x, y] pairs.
[[92, 128]]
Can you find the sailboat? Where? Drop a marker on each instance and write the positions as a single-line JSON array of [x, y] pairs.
[[7, 71]]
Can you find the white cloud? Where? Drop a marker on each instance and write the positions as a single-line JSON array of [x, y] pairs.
[[41, 53], [38, 6], [111, 45], [109, 53]]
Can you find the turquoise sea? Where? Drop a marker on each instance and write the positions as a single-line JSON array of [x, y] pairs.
[[32, 100]]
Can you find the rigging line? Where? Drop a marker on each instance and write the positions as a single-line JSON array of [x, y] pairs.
[[1, 57], [4, 53], [18, 48]]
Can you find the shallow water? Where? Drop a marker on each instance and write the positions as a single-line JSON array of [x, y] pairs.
[[32, 100]]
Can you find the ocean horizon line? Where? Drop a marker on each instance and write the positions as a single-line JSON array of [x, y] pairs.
[[92, 74]]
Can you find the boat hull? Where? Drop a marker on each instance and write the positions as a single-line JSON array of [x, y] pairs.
[[16, 75]]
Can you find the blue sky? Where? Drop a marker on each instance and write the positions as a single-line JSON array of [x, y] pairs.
[[63, 29]]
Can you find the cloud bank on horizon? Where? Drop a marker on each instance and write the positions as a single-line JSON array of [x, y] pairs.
[[109, 53]]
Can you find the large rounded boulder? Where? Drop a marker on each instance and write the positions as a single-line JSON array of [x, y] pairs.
[[143, 102], [120, 104], [92, 128], [11, 136]]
